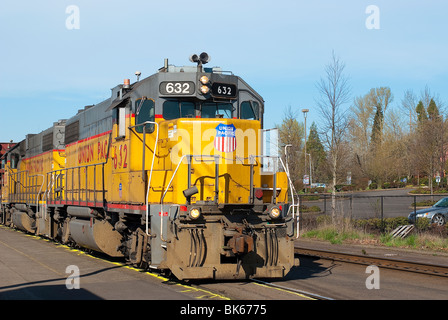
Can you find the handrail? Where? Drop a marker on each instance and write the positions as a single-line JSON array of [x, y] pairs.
[[163, 197], [53, 179], [59, 172], [216, 157], [40, 189], [27, 195], [293, 191], [143, 164]]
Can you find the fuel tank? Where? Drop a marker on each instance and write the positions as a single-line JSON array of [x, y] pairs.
[[23, 221], [96, 235]]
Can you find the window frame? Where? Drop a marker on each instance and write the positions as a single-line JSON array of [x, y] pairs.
[[216, 112], [139, 104], [254, 107], [179, 106]]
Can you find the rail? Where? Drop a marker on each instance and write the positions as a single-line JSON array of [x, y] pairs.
[[390, 263]]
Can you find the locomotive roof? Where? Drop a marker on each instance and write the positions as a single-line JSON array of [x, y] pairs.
[[96, 119]]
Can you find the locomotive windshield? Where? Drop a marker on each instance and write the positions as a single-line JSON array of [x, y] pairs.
[[174, 109], [216, 110]]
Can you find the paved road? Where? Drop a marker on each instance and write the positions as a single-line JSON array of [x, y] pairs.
[[372, 204], [32, 268]]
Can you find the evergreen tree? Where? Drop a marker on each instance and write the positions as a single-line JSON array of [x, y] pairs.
[[379, 98], [318, 156], [433, 111], [421, 112], [377, 126]]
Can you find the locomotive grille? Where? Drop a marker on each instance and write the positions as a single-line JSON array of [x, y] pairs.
[[72, 133], [47, 142]]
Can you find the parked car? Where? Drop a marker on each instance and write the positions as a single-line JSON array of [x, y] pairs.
[[438, 213]]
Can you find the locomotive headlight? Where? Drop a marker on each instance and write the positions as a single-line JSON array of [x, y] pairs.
[[204, 80], [205, 89], [195, 213], [274, 212]]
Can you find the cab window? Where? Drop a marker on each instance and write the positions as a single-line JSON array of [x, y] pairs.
[[216, 110], [144, 112], [14, 158], [249, 110], [174, 109]]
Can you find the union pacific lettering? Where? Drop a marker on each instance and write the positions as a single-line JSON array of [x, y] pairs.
[[85, 153], [93, 152], [35, 165]]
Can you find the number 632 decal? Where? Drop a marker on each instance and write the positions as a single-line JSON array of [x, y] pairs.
[[176, 87], [120, 158]]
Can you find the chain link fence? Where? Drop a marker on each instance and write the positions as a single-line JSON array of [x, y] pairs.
[[358, 206]]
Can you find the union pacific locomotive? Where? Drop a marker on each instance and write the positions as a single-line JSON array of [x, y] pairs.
[[173, 172]]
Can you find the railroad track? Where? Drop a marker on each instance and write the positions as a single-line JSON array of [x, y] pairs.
[[390, 263]]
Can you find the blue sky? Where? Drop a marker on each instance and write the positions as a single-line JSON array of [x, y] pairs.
[[48, 72]]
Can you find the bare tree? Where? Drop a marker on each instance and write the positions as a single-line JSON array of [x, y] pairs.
[[291, 133], [334, 92]]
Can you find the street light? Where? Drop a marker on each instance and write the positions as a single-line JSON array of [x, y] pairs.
[[305, 111], [311, 172]]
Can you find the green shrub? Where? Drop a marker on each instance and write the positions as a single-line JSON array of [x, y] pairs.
[[387, 224], [423, 224], [304, 208], [323, 220]]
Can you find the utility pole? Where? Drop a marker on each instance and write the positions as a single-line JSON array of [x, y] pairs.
[[305, 111]]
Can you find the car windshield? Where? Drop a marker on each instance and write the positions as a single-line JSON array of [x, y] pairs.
[[442, 203]]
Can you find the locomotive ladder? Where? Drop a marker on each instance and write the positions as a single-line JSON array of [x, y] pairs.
[[144, 165]]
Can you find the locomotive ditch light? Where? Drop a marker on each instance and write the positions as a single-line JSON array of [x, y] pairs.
[[274, 212], [195, 213]]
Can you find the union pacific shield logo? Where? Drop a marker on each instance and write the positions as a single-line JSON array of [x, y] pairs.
[[225, 140]]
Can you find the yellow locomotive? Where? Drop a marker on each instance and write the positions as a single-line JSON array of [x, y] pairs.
[[173, 172]]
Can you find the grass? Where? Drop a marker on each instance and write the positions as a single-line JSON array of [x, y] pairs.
[[335, 236], [348, 234], [417, 241]]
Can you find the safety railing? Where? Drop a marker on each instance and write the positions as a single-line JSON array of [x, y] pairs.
[[216, 159], [79, 185], [25, 188]]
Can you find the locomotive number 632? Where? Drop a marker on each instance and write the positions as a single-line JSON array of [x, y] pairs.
[[176, 88]]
